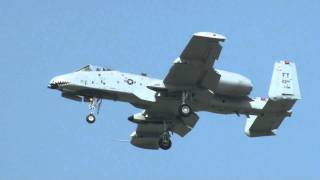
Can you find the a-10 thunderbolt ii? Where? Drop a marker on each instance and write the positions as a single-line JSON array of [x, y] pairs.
[[192, 85]]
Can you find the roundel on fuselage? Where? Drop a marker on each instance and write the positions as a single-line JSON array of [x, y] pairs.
[[130, 81]]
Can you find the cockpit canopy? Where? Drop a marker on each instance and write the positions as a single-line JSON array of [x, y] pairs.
[[93, 68]]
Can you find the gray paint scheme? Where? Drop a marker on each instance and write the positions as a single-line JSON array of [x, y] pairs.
[[209, 90]]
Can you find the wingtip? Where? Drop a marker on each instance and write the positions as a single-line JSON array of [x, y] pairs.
[[211, 35]]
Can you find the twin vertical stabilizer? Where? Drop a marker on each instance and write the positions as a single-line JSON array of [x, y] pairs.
[[284, 83], [283, 93]]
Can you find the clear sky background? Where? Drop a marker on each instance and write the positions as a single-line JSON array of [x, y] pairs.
[[44, 136]]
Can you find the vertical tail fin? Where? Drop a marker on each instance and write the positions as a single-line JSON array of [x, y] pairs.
[[283, 93], [284, 83], [284, 88]]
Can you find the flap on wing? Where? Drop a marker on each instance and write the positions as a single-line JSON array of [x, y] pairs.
[[211, 80], [191, 75], [185, 74]]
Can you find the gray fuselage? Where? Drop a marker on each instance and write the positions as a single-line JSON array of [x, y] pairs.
[[231, 95]]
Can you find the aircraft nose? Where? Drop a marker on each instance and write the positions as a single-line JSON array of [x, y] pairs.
[[57, 82], [53, 85]]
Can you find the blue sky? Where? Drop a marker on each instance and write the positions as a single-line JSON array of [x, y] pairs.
[[43, 136]]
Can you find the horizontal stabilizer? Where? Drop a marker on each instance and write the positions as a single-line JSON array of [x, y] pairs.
[[263, 125], [283, 93]]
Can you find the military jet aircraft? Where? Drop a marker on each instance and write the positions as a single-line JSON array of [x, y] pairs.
[[192, 85]]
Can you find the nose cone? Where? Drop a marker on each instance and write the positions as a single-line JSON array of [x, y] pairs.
[[52, 85], [58, 82]]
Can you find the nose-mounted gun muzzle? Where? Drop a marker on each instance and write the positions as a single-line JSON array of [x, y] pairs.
[[58, 82]]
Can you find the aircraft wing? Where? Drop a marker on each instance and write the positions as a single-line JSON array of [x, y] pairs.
[[148, 133], [194, 66]]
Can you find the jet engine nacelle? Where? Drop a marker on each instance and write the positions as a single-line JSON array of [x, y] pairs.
[[233, 84]]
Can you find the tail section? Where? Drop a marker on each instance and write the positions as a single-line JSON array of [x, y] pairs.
[[283, 93], [284, 83], [284, 88]]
